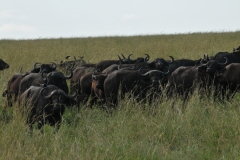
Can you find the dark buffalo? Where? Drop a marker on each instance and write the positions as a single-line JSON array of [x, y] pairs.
[[100, 66], [45, 105], [130, 81], [233, 57], [229, 80], [3, 65], [39, 68], [84, 89], [97, 88], [77, 74], [13, 88], [185, 79], [158, 64], [184, 62], [36, 79]]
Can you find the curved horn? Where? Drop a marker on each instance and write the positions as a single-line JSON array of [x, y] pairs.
[[68, 57], [163, 73], [171, 60], [35, 65], [54, 65], [48, 96], [70, 75], [120, 59], [225, 63], [68, 96], [147, 57], [123, 56], [119, 66], [201, 62], [129, 57], [139, 72], [208, 57]]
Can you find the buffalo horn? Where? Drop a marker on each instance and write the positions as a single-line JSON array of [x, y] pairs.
[[68, 96], [54, 65], [139, 72], [68, 57], [223, 64], [123, 56], [59, 91], [201, 62], [146, 58], [70, 75], [35, 65], [120, 59], [171, 60], [129, 57]]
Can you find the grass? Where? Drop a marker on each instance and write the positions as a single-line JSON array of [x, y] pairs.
[[201, 129]]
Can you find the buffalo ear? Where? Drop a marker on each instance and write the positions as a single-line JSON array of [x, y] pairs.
[[202, 69]]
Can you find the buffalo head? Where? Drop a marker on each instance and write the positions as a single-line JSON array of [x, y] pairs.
[[155, 76], [211, 66], [99, 79], [44, 67], [160, 63], [3, 65], [58, 98]]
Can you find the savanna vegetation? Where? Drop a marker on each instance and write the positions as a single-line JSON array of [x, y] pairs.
[[199, 129]]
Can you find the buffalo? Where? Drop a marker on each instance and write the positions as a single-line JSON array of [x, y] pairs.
[[233, 57], [77, 74], [36, 79], [3, 65], [130, 81], [45, 105], [97, 88], [47, 68], [100, 66], [184, 79], [11, 93], [229, 80]]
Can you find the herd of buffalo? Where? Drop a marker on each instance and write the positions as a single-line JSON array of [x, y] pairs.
[[43, 91]]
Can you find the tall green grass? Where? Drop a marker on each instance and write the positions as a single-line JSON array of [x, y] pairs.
[[198, 129]]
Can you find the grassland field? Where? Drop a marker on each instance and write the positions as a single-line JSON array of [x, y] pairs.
[[203, 130]]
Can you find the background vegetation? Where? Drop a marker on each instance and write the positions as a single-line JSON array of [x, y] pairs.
[[203, 130]]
